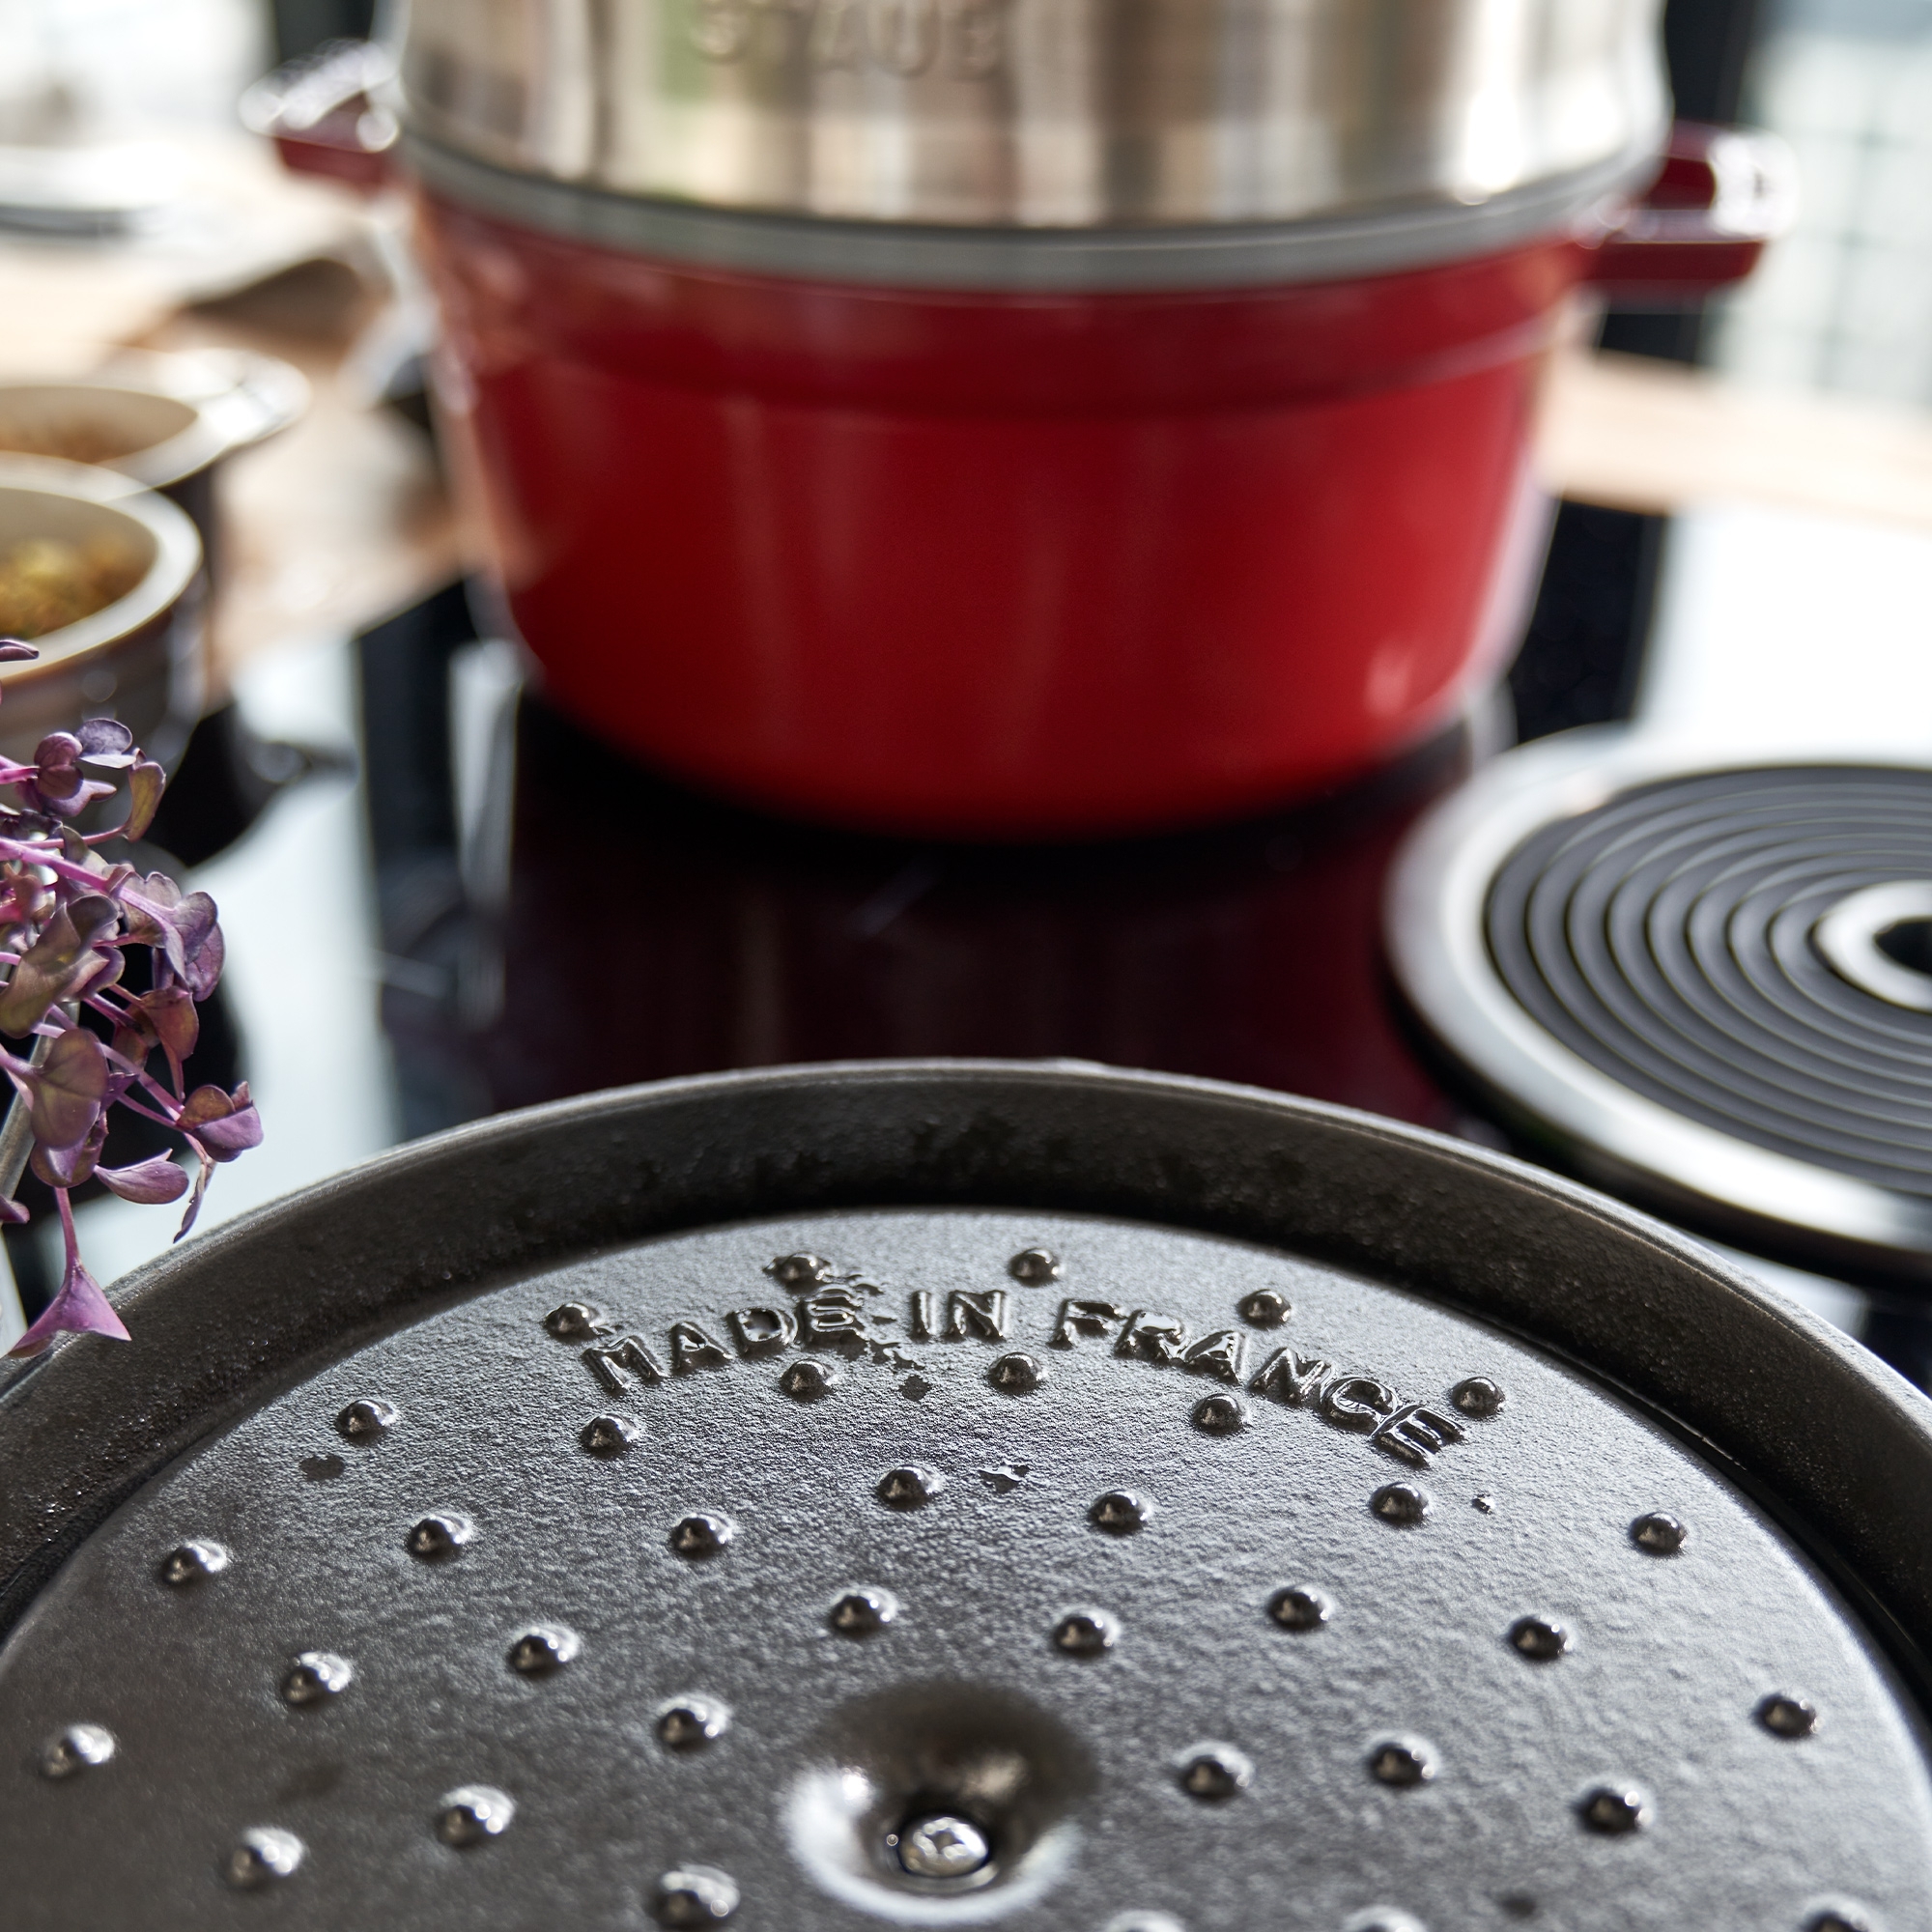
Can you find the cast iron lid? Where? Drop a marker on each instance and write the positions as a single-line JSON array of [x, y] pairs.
[[960, 1493], [1704, 983]]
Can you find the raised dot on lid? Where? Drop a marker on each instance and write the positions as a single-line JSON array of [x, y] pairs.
[[262, 1856], [1299, 1609], [1016, 1374], [542, 1649], [1402, 1504], [472, 1814], [366, 1418], [690, 1723], [1216, 1773], [192, 1562], [694, 1896], [700, 1535], [1264, 1308], [436, 1539], [863, 1611], [77, 1749], [1085, 1633], [1658, 1533]]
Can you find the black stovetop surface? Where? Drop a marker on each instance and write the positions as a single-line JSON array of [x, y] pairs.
[[543, 919]]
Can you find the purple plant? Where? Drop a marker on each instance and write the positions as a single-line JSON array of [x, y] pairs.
[[67, 918]]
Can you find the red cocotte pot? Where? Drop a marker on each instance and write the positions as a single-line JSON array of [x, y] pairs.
[[978, 533]]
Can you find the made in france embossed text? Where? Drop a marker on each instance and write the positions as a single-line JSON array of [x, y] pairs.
[[842, 1315]]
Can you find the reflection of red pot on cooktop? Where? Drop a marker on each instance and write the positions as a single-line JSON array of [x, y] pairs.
[[988, 524]]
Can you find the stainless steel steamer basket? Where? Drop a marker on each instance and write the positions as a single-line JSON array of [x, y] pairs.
[[1376, 133], [744, 1498]]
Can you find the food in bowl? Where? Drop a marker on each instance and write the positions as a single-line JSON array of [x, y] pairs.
[[71, 438], [48, 582]]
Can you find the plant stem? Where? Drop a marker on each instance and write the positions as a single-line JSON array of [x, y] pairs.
[[17, 1136]]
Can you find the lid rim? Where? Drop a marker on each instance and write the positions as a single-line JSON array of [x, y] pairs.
[[1035, 260]]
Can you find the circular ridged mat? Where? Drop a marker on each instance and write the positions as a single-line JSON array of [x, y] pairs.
[[1670, 938], [1712, 988], [954, 1496]]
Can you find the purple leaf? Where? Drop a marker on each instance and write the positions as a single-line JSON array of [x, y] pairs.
[[171, 1015], [68, 1089], [107, 740], [12, 650], [78, 1309], [145, 785], [59, 783], [206, 958], [156, 1180], [69, 1167], [57, 964], [160, 914], [58, 753], [225, 1125]]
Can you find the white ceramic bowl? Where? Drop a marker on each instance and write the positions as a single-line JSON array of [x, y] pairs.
[[138, 659]]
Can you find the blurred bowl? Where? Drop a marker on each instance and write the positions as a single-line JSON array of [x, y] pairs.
[[167, 421], [137, 657]]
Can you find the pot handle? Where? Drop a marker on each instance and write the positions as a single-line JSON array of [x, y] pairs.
[[327, 113], [1721, 194]]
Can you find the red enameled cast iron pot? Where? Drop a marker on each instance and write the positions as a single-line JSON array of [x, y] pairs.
[[964, 561]]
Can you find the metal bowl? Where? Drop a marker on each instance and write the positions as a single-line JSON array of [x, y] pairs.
[[137, 659], [961, 1493]]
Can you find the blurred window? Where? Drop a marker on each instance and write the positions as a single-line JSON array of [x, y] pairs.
[[103, 69], [1845, 301]]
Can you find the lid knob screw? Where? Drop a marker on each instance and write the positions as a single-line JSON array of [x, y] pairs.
[[943, 1846]]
